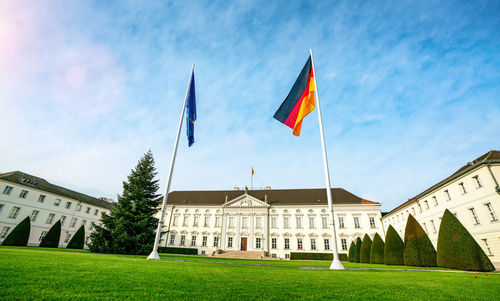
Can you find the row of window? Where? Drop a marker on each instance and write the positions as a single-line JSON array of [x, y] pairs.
[[57, 202]]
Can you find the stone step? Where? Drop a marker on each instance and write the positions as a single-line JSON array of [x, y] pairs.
[[242, 254]]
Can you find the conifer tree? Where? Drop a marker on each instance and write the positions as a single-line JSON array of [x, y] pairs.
[[78, 240], [352, 252], [393, 249], [418, 250], [358, 250], [130, 227], [377, 251], [366, 246], [20, 234], [51, 239]]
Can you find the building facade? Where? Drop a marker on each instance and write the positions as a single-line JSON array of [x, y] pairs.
[[275, 222], [23, 195], [472, 194]]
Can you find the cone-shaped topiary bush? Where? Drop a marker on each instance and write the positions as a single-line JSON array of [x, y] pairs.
[[78, 240], [357, 254], [19, 235], [393, 249], [457, 249], [418, 250], [51, 239], [352, 251], [366, 247], [377, 251]]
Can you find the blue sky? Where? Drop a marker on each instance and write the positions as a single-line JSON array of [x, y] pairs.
[[409, 91]]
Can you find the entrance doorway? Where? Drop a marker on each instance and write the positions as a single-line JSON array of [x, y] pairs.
[[243, 244]]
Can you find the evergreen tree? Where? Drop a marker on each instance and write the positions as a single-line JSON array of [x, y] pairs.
[[358, 250], [352, 251], [366, 247], [457, 249], [20, 235], [418, 250], [377, 251], [51, 239], [393, 249], [78, 240], [130, 227]]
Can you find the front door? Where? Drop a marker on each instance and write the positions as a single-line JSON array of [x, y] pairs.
[[243, 243]]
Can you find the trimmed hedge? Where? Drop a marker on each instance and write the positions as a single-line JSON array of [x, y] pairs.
[[316, 256], [394, 247], [377, 251], [52, 238], [366, 247], [352, 251], [78, 240], [20, 235], [357, 255], [457, 249], [169, 250], [418, 250]]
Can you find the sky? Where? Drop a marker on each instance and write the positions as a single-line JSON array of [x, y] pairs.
[[409, 92]]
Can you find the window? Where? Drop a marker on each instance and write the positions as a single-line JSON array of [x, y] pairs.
[[327, 243], [425, 228], [490, 211], [203, 252], [258, 223], [287, 256], [434, 198], [341, 222], [14, 212], [485, 241], [7, 190], [50, 218], [195, 221], [204, 241], [57, 202], [207, 221], [183, 240], [216, 241], [372, 222], [68, 236], [447, 195], [175, 220], [217, 221], [244, 222], [474, 216], [273, 243], [287, 243], [258, 242], [23, 194], [34, 215], [273, 222], [299, 222], [87, 211], [273, 256], [285, 222], [185, 221], [419, 208], [299, 243], [73, 222], [324, 222], [229, 242], [42, 235], [63, 218], [172, 239], [92, 225], [433, 226], [426, 204], [343, 242], [311, 222], [476, 180], [356, 222], [1, 207], [96, 211], [231, 222], [313, 244], [462, 187], [68, 205], [4, 232], [78, 208], [413, 210], [84, 222], [41, 198], [87, 240], [193, 241]]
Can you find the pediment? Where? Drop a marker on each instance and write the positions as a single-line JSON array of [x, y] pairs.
[[246, 201]]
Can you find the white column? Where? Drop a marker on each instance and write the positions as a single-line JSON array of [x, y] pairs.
[[266, 233], [251, 231], [237, 241], [223, 232]]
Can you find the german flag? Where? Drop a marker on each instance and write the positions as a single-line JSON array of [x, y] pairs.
[[300, 100]]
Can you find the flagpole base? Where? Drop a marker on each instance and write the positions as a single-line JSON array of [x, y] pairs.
[[336, 265], [154, 255]]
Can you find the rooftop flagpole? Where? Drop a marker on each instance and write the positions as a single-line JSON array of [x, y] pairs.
[[336, 264], [154, 253]]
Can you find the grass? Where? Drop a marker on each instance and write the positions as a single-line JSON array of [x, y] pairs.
[[51, 274]]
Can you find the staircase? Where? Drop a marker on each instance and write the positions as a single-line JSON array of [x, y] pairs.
[[243, 254]]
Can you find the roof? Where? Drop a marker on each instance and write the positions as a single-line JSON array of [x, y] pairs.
[[27, 180], [274, 197], [489, 157]]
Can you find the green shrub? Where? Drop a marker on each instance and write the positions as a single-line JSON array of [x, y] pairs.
[[169, 250], [357, 255], [457, 249], [316, 256], [377, 251], [393, 249], [366, 247], [78, 239], [19, 235], [418, 250], [52, 238], [352, 251]]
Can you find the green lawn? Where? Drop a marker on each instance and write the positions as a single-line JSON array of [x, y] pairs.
[[40, 274]]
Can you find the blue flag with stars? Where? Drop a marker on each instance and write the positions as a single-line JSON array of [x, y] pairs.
[[191, 111]]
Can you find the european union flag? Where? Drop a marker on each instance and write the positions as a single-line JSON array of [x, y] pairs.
[[191, 111]]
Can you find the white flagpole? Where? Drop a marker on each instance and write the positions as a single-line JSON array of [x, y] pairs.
[[154, 253], [336, 264]]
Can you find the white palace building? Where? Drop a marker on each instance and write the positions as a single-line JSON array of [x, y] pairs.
[[269, 222], [23, 195]]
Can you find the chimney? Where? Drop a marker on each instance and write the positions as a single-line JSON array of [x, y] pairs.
[[265, 198], [236, 188], [246, 189], [225, 201], [268, 187]]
